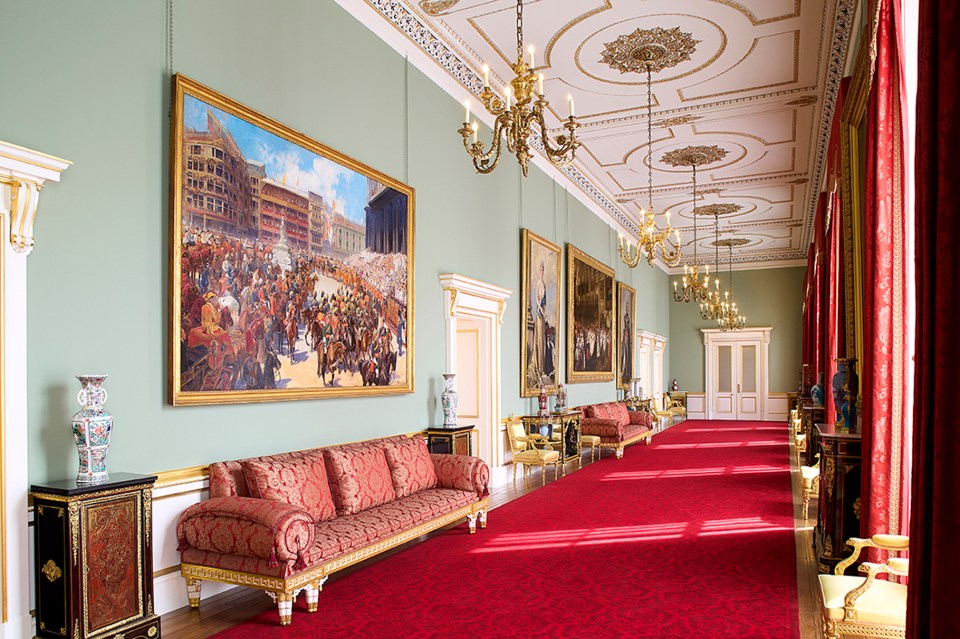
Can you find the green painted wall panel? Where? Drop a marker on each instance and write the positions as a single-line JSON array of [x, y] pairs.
[[768, 297], [92, 86]]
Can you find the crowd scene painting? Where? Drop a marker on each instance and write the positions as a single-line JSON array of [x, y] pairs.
[[591, 314], [301, 292]]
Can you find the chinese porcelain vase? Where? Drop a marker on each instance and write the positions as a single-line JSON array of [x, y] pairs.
[[816, 392], [91, 429], [448, 399]]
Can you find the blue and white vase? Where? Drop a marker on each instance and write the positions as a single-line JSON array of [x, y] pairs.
[[816, 392], [91, 429], [449, 400]]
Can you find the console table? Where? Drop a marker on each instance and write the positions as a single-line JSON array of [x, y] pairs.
[[838, 516], [562, 429], [450, 440], [810, 415], [94, 560]]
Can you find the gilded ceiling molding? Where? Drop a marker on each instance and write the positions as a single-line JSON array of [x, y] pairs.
[[698, 155], [838, 54], [804, 101], [436, 7], [679, 120], [657, 48], [718, 209], [732, 242]]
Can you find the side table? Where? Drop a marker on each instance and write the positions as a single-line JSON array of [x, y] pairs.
[[563, 431], [450, 440], [94, 559]]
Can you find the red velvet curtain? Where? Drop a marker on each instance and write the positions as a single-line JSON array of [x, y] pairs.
[[834, 311], [883, 371], [934, 557]]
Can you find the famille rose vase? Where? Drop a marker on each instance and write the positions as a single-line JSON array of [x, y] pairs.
[[449, 400], [91, 429]]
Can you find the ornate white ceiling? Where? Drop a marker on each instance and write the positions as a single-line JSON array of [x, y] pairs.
[[755, 78]]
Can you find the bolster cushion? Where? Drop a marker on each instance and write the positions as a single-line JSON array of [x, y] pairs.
[[359, 477], [410, 465], [247, 527], [299, 481], [641, 418], [462, 472]]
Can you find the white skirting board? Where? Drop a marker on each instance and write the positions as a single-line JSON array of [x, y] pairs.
[[776, 408]]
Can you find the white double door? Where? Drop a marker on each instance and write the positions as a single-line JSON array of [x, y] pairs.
[[736, 373]]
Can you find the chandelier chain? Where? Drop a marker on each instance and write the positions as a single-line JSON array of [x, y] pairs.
[[520, 29], [649, 142], [695, 214]]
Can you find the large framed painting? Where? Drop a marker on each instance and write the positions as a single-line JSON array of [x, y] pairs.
[[291, 264], [626, 321], [540, 314], [591, 319]]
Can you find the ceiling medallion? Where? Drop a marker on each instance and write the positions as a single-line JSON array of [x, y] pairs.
[[732, 242], [694, 156], [677, 121], [656, 49], [436, 7], [718, 209], [804, 101]]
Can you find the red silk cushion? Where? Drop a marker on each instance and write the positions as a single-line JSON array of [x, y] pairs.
[[359, 477], [620, 412], [410, 465], [299, 481]]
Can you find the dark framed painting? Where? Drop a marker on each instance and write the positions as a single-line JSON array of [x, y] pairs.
[[591, 319], [540, 314], [626, 334], [291, 264]]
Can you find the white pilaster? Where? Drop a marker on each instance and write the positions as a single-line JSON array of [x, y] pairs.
[[22, 175]]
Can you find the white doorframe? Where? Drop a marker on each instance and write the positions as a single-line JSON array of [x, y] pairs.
[[464, 297], [22, 174], [714, 336]]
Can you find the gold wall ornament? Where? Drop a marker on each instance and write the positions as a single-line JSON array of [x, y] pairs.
[[518, 112], [632, 53], [806, 100], [717, 210], [51, 570]]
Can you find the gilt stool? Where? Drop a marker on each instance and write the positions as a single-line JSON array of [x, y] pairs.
[[593, 441]]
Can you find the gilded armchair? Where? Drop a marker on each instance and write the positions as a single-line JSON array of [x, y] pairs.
[[852, 606], [532, 450]]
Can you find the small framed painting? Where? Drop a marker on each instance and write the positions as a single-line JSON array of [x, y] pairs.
[[591, 319], [626, 321], [540, 314]]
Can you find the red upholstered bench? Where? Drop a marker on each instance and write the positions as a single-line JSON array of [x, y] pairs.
[[616, 426], [284, 523]]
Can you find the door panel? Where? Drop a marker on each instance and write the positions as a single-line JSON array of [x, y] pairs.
[[748, 381], [724, 406], [735, 378]]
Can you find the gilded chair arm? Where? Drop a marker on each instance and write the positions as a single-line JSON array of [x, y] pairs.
[[850, 599], [899, 566], [883, 542], [891, 542]]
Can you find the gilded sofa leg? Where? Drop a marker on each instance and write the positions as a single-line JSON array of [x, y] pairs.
[[619, 452], [829, 629], [285, 607], [193, 591], [472, 522], [514, 472], [312, 592], [483, 518]]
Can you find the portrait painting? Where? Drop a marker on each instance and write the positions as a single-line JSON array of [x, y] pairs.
[[591, 319], [626, 333], [291, 269], [540, 314]]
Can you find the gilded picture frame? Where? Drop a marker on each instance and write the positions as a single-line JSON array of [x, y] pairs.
[[291, 264], [591, 313], [626, 334], [541, 286]]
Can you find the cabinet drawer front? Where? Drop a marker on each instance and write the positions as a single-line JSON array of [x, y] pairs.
[[53, 571], [113, 567]]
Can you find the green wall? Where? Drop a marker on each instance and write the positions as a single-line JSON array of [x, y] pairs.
[[88, 81], [768, 297]]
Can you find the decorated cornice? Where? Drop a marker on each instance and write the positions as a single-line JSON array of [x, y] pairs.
[[24, 172]]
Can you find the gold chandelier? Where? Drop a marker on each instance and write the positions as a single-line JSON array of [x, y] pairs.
[[730, 318], [712, 307], [517, 111], [651, 239], [694, 287]]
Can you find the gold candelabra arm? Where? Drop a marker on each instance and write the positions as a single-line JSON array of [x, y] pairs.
[[628, 256], [493, 103], [484, 161]]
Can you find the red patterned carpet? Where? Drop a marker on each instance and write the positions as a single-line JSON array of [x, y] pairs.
[[690, 538]]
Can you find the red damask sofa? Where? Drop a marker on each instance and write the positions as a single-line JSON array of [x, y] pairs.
[[285, 522], [616, 426]]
